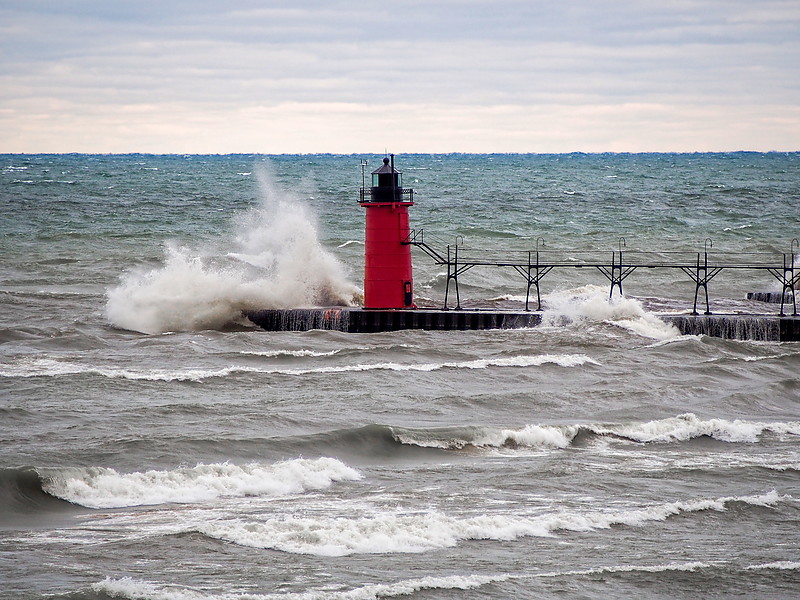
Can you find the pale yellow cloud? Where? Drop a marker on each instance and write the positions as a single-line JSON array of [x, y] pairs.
[[56, 126]]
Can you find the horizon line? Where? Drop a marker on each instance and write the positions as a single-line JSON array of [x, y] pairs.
[[374, 153]]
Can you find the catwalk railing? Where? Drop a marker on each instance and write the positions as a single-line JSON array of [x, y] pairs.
[[616, 265]]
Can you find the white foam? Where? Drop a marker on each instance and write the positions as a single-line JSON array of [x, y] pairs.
[[295, 353], [772, 357], [372, 535], [781, 565], [411, 586], [507, 297], [133, 589], [689, 426], [541, 436], [418, 533], [682, 338], [436, 280], [562, 360], [674, 429], [531, 436], [106, 488], [590, 303], [274, 260], [687, 567], [349, 242], [47, 367]]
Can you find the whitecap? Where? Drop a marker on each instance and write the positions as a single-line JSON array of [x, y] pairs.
[[423, 532], [688, 426], [134, 589], [530, 436], [562, 360], [101, 487], [48, 367], [688, 567], [507, 297], [781, 565], [293, 353]]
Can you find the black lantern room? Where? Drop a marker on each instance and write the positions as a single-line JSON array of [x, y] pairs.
[[387, 185]]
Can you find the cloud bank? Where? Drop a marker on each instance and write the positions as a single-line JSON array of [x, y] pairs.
[[471, 76]]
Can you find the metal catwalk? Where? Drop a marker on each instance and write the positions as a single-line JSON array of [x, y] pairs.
[[616, 266]]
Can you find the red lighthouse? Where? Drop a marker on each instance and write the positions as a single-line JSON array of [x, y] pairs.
[[388, 282]]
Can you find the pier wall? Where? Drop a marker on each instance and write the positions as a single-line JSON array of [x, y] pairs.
[[372, 321], [770, 297], [355, 320], [731, 327]]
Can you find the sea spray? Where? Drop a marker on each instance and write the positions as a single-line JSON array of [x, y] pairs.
[[273, 259], [590, 303]]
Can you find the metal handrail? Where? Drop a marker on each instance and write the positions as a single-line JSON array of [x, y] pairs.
[[701, 267]]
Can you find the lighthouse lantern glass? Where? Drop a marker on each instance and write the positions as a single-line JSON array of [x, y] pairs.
[[385, 180]]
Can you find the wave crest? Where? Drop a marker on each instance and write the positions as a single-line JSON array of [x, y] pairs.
[[689, 426], [48, 367], [682, 428], [127, 587], [106, 488], [419, 533], [531, 436]]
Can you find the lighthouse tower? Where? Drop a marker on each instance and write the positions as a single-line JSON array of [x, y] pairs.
[[388, 282]]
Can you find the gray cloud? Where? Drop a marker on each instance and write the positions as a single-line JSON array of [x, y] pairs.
[[212, 56]]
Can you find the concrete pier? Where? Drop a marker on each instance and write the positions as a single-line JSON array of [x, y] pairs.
[[770, 297], [355, 320], [768, 328]]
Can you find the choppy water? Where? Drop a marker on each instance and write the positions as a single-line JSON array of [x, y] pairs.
[[156, 447]]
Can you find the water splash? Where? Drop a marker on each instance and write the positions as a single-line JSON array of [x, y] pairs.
[[273, 259], [590, 303]]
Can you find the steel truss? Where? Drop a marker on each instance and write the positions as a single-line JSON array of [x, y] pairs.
[[534, 265]]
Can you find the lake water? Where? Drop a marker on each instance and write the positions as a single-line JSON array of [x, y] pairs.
[[156, 446]]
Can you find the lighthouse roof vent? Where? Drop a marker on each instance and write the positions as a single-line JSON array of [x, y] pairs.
[[386, 168]]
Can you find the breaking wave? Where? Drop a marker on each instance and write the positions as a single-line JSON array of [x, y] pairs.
[[274, 260], [590, 303], [100, 487], [681, 428], [127, 587], [689, 426], [47, 367], [530, 436], [418, 533]]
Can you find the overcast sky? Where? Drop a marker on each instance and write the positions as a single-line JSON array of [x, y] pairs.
[[214, 76]]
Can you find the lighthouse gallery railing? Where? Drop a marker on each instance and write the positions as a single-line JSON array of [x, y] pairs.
[[384, 194]]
